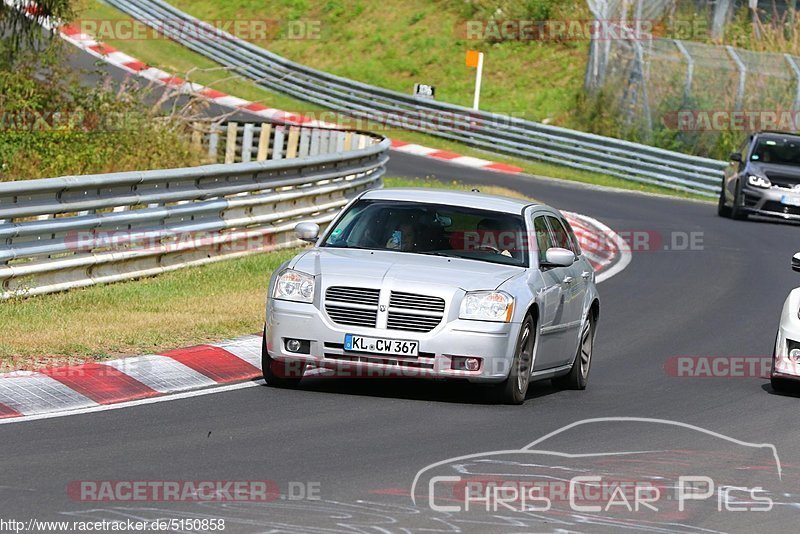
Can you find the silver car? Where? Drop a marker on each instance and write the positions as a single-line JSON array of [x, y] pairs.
[[436, 284]]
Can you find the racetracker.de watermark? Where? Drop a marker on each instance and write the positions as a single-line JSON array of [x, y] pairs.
[[190, 30], [719, 366], [191, 491], [727, 120], [493, 30]]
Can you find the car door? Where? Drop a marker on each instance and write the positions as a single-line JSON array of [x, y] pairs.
[[582, 274], [553, 315]]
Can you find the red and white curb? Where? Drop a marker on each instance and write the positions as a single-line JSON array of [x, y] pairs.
[[157, 377], [111, 55], [67, 389]]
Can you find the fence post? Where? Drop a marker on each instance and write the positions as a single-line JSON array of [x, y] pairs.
[[277, 143], [291, 145], [792, 63], [213, 143], [742, 76], [247, 142], [230, 147], [687, 90], [263, 141]]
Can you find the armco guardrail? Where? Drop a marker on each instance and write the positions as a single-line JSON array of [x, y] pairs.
[[62, 233], [489, 131]]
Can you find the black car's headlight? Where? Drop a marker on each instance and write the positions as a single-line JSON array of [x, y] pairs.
[[759, 181], [295, 286]]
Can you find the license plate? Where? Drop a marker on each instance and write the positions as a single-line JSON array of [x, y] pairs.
[[790, 200], [378, 345]]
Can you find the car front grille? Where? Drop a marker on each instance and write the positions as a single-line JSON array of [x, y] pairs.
[[783, 180], [352, 306], [408, 312], [414, 313], [777, 207]]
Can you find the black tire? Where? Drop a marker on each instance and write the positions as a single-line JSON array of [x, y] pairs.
[[515, 387], [578, 376], [737, 212], [781, 385], [279, 374], [722, 209]]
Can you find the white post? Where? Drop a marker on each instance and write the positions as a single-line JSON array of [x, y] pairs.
[[478, 76]]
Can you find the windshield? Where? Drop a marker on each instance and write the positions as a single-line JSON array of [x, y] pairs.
[[411, 227], [777, 151]]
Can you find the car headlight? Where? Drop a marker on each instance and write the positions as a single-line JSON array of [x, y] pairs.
[[487, 306], [294, 285], [759, 181]]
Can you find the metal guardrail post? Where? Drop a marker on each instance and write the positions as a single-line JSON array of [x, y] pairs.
[[687, 90], [742, 76], [793, 64]]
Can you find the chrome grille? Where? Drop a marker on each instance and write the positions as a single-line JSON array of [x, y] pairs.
[[414, 313], [409, 301], [354, 295], [352, 306]]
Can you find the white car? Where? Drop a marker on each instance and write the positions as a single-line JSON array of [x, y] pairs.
[[786, 356]]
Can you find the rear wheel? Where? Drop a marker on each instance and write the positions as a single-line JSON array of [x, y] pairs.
[[578, 376], [515, 387], [277, 373]]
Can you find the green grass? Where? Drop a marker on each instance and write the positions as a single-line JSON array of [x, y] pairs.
[[326, 53], [177, 309]]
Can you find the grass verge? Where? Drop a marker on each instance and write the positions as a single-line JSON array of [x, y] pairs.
[[175, 58], [190, 306]]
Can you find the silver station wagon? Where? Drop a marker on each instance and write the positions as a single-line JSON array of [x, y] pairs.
[[435, 284]]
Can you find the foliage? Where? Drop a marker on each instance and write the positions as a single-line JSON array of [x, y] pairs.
[[21, 30]]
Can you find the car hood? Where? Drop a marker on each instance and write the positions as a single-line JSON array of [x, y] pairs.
[[790, 172], [376, 268]]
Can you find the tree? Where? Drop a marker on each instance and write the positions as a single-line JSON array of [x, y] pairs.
[[21, 26]]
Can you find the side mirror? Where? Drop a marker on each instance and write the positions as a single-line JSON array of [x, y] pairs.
[[307, 232], [736, 157], [559, 257], [796, 263]]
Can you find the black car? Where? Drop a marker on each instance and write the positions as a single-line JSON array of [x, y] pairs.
[[763, 178]]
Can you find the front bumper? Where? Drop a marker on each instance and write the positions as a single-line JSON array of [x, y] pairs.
[[784, 366], [493, 343], [770, 202]]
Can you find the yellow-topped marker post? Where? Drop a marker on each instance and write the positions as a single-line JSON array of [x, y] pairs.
[[475, 61]]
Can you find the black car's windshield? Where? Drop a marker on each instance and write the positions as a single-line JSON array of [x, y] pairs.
[[432, 229], [780, 151]]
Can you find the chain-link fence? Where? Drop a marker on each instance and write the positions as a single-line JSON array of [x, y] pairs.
[[690, 93]]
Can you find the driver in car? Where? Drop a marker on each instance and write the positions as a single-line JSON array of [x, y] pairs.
[[494, 236]]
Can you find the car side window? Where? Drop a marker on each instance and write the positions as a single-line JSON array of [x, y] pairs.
[[560, 237], [542, 237], [575, 245]]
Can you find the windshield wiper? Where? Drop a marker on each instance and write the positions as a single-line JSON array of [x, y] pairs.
[[435, 253]]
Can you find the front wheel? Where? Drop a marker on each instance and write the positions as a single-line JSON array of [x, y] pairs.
[[736, 211], [722, 209], [276, 373], [515, 387], [578, 376]]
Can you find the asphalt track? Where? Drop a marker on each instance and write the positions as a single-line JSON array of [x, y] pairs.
[[363, 442]]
